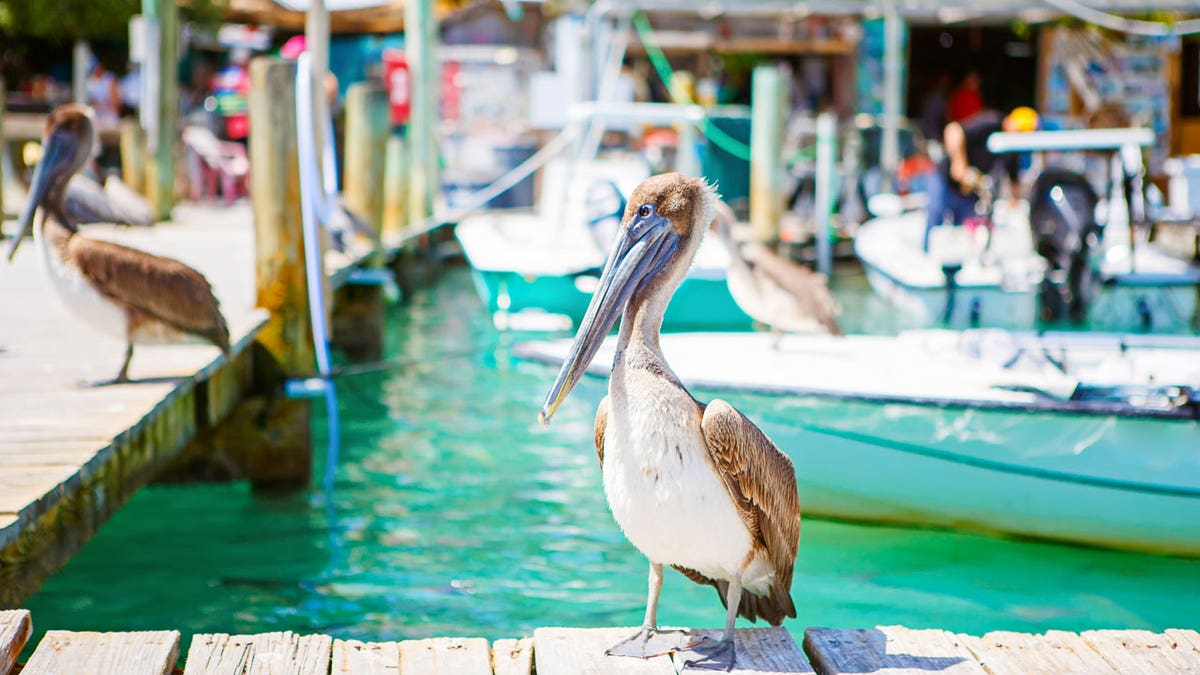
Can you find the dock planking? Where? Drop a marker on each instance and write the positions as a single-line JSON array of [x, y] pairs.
[[893, 650], [132, 653], [71, 453], [15, 628], [887, 650]]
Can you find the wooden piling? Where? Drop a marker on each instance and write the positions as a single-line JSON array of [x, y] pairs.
[[3, 146], [395, 196], [133, 155], [767, 119], [281, 284], [358, 316], [366, 151], [160, 166]]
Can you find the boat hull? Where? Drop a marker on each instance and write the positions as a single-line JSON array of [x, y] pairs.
[[978, 430], [1039, 475], [700, 304]]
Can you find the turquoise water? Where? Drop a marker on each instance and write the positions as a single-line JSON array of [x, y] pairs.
[[453, 513]]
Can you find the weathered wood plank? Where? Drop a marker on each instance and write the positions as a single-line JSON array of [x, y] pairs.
[[353, 657], [888, 649], [15, 628], [1184, 640], [133, 653], [512, 657], [280, 652], [1054, 652], [1140, 651], [762, 651], [580, 651], [445, 656]]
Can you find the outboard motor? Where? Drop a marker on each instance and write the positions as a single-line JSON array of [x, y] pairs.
[[1062, 215]]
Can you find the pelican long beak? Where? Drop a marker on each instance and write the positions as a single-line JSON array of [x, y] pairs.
[[641, 250], [58, 149]]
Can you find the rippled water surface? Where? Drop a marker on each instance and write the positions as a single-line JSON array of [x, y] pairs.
[[453, 513]]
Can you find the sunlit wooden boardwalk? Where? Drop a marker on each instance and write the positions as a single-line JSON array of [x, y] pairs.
[[567, 651], [70, 453]]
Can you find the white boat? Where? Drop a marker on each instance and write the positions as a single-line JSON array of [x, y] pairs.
[[1000, 288], [1082, 437], [959, 283], [536, 269]]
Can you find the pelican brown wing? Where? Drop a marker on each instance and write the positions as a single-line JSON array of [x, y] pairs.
[[162, 288], [762, 483], [601, 426]]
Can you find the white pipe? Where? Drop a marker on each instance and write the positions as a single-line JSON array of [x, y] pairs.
[[647, 113], [1072, 139], [312, 201], [310, 205]]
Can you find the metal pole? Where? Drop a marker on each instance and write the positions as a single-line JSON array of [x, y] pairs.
[[79, 71], [823, 207], [893, 86]]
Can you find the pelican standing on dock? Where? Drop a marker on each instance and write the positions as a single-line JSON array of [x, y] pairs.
[[127, 293], [694, 486]]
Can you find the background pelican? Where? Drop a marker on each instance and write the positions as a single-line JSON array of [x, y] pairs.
[[87, 201], [776, 292], [130, 294], [694, 486]]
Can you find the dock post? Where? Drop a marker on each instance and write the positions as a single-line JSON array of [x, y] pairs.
[[395, 197], [420, 36], [767, 119], [160, 165], [133, 155], [282, 450], [3, 148], [366, 137], [358, 313]]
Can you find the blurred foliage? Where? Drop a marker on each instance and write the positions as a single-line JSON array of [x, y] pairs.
[[70, 20]]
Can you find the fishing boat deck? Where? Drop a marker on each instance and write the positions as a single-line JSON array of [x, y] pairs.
[[571, 651], [71, 453]]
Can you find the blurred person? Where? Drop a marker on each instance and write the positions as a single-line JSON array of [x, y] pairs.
[[130, 89], [934, 105], [103, 93], [966, 100], [955, 187]]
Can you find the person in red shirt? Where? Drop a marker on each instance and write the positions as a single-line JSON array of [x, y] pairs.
[[966, 100]]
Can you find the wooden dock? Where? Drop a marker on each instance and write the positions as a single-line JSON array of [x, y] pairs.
[[70, 453], [889, 650]]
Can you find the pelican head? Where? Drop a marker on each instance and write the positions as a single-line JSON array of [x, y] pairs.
[[661, 229], [66, 146]]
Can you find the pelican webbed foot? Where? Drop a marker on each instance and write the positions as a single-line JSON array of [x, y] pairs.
[[647, 643], [715, 654]]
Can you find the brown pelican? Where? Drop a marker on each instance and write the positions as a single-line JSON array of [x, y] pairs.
[[694, 486], [127, 293], [89, 201], [774, 291]]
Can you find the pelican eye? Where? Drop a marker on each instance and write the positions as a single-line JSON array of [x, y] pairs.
[[645, 211]]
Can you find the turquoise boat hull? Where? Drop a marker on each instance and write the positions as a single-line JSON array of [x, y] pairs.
[[965, 430], [1113, 481], [701, 304]]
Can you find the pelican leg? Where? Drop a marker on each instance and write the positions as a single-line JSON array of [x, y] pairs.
[[719, 654], [648, 642], [123, 374]]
